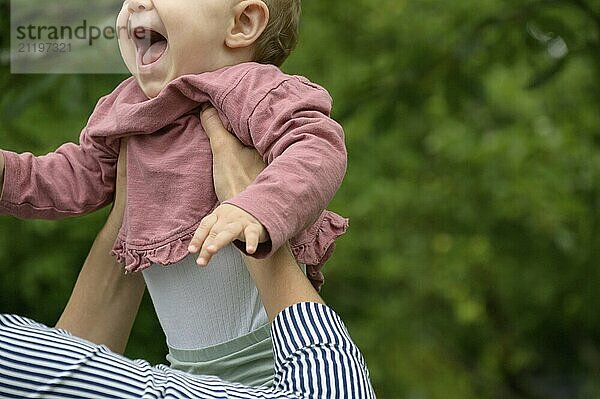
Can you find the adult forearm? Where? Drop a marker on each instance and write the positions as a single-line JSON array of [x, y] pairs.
[[279, 279], [104, 301], [280, 282]]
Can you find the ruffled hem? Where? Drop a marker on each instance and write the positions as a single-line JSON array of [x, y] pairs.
[[136, 259], [314, 246]]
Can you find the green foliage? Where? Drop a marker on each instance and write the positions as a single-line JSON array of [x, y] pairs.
[[473, 191]]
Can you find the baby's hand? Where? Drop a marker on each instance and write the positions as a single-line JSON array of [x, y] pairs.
[[224, 225]]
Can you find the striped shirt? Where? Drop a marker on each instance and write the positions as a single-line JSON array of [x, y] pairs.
[[314, 358]]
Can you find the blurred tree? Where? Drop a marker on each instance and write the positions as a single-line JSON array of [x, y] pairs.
[[470, 268]]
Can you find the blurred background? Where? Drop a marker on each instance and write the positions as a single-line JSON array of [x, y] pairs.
[[471, 266]]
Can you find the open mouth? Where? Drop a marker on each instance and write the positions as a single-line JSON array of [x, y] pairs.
[[150, 45]]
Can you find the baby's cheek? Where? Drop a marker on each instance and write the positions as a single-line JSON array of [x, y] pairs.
[[126, 46]]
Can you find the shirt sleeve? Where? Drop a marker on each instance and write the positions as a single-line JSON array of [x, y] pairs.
[[304, 148], [73, 180], [314, 358]]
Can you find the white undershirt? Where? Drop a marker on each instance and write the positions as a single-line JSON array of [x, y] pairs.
[[201, 307]]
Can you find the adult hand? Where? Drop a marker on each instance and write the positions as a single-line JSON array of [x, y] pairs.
[[234, 168]]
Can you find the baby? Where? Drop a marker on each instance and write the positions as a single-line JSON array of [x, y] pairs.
[[183, 56]]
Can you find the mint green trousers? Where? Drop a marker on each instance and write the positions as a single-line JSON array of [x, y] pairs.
[[247, 359]]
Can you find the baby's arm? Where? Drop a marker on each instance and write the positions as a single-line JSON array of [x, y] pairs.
[[73, 180], [306, 156], [286, 118]]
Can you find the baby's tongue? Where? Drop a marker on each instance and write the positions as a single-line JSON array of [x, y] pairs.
[[154, 52]]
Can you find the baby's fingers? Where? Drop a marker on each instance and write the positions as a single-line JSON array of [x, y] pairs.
[[202, 232], [252, 237], [218, 237], [214, 245]]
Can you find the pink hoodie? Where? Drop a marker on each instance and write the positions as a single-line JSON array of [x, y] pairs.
[[169, 165]]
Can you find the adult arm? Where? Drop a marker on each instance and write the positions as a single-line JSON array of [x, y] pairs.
[[105, 301], [280, 281], [314, 355]]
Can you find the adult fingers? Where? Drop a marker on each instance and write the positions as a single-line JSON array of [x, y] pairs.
[[216, 132]]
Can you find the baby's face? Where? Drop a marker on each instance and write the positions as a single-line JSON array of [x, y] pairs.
[[161, 40]]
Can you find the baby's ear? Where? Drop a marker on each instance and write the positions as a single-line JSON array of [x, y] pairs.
[[250, 20]]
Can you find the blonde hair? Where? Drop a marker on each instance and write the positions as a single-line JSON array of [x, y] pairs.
[[281, 34]]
